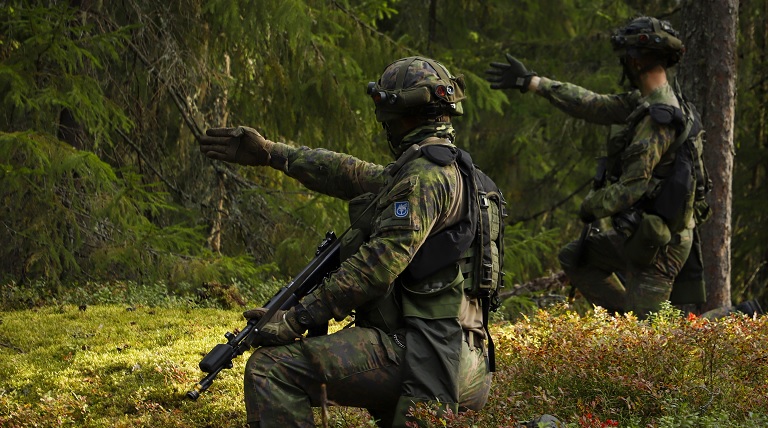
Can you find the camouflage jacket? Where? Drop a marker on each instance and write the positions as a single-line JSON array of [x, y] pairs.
[[418, 197], [642, 151]]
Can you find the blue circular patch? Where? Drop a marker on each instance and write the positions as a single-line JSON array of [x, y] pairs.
[[401, 209]]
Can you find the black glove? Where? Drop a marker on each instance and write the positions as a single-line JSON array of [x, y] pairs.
[[283, 328], [509, 76], [241, 145], [586, 216]]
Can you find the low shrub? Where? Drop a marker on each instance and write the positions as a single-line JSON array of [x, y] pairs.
[[154, 294], [131, 366]]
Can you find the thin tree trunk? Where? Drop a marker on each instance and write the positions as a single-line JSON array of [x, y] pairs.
[[214, 237], [708, 74], [432, 25]]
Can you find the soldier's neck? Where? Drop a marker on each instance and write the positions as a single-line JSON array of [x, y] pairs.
[[652, 79]]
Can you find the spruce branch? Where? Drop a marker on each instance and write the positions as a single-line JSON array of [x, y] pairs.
[[551, 208]]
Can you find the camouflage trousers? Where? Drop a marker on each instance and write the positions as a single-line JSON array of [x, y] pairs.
[[360, 367], [605, 277]]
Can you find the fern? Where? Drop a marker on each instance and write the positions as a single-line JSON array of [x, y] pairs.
[[46, 70]]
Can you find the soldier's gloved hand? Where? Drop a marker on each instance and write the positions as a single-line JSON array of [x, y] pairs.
[[283, 328], [586, 216], [513, 75], [241, 145]]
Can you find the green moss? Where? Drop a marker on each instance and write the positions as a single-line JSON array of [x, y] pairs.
[[110, 366], [131, 366]]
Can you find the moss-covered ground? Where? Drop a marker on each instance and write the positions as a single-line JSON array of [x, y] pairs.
[[124, 366]]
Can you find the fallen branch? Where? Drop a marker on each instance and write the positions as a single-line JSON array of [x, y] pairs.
[[15, 348], [550, 283]]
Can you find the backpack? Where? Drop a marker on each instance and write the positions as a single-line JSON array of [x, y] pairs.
[[487, 277], [481, 260], [689, 286]]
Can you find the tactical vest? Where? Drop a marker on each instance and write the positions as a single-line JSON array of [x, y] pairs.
[[678, 187], [680, 181], [462, 261]]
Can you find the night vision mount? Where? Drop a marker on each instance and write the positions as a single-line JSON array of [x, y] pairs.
[[647, 33], [430, 95]]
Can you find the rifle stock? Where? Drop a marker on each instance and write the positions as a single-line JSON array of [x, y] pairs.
[[585, 232], [220, 357], [598, 181]]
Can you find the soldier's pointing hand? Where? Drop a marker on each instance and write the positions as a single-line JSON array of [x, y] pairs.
[[512, 75], [241, 145]]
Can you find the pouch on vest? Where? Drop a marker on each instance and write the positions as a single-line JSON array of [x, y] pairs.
[[484, 270], [689, 286], [701, 211], [642, 246], [676, 191], [384, 313], [435, 297]]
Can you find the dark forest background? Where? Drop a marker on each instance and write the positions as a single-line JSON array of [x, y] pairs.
[[102, 182]]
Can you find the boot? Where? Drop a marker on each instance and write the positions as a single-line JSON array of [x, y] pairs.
[[543, 421], [750, 307]]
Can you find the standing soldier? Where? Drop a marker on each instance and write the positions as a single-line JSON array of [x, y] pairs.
[[654, 184], [420, 266]]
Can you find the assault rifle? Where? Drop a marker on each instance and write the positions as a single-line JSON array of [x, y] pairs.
[[220, 357], [598, 181]]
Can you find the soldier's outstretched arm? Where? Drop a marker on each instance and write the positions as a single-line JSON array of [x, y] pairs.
[[572, 99], [644, 152], [334, 174], [241, 145]]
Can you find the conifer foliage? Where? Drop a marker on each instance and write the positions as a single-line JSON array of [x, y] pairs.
[[101, 102]]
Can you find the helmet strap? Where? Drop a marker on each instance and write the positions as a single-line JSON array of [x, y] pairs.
[[392, 140]]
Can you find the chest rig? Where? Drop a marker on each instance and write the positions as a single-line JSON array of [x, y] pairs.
[[457, 268], [679, 182]]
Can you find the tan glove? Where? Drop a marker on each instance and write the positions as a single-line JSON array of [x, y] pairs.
[[283, 328], [241, 145]]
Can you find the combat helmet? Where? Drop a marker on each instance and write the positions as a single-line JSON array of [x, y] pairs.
[[648, 37], [416, 86]]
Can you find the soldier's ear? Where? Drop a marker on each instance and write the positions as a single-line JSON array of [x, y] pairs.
[[460, 82]]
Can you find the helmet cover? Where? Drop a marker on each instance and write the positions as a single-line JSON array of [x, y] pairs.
[[647, 36], [416, 86]]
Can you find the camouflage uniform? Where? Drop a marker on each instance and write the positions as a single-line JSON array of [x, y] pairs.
[[426, 358], [641, 288]]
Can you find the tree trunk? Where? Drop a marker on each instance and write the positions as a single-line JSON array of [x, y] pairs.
[[214, 237], [708, 75], [431, 32], [70, 130]]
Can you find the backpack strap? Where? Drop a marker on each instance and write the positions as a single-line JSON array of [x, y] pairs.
[[451, 242], [687, 119]]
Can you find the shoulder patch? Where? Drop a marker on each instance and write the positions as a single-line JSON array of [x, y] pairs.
[[402, 209], [665, 114], [440, 154]]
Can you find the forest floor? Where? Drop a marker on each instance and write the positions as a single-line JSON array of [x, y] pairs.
[[131, 366]]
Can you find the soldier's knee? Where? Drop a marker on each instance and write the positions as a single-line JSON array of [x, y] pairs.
[[254, 361], [269, 364], [258, 366]]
